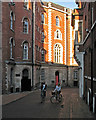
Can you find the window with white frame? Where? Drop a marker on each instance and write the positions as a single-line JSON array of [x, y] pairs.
[[58, 35], [11, 20], [57, 21], [42, 56], [25, 25], [42, 18], [76, 74], [58, 53], [25, 51]]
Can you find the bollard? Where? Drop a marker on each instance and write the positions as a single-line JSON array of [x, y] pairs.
[[89, 96], [94, 103]]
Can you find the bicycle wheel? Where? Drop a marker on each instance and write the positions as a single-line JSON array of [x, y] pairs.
[[60, 98], [53, 99]]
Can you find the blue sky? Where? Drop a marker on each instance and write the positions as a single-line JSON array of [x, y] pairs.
[[66, 3]]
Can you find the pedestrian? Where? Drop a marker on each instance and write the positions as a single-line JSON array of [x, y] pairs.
[[43, 91]]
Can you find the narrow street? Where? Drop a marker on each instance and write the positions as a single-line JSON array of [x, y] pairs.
[[30, 107]]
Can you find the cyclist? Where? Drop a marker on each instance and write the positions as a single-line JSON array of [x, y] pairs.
[[57, 90]]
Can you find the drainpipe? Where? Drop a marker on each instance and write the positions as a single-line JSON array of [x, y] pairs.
[[67, 75], [33, 33], [91, 61]]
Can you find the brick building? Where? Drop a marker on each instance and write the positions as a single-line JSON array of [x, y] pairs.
[[17, 45], [38, 40], [87, 47]]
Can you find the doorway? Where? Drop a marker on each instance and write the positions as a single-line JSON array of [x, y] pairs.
[[25, 82], [57, 77]]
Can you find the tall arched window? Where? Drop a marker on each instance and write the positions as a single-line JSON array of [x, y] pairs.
[[25, 51], [57, 21], [42, 18], [58, 34], [12, 44], [25, 25], [58, 53], [42, 37], [11, 20], [43, 56]]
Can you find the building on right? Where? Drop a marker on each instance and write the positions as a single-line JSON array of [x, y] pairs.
[[84, 22]]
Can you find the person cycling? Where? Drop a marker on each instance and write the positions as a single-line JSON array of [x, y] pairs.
[[58, 89]]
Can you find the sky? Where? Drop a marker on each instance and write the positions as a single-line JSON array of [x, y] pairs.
[[66, 3]]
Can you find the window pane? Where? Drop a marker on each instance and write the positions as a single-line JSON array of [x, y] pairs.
[[25, 51], [57, 21], [42, 74], [25, 26], [42, 18], [57, 53], [11, 24], [43, 56]]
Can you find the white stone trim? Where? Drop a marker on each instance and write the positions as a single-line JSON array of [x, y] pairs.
[[49, 35], [89, 77], [65, 36], [71, 55], [57, 10]]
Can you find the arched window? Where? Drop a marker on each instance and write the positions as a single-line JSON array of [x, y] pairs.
[[12, 44], [25, 51], [42, 18], [11, 20], [58, 53], [25, 73], [43, 56], [58, 35], [25, 25], [57, 21], [42, 37]]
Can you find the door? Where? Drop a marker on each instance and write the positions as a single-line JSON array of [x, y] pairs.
[[25, 82], [57, 77]]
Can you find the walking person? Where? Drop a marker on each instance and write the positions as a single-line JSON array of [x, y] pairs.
[[43, 91]]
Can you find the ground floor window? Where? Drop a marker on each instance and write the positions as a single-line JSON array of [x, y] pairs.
[[42, 74], [75, 83]]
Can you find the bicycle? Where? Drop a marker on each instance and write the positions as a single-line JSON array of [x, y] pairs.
[[43, 95], [56, 97]]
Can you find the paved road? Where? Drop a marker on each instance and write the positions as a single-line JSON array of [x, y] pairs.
[[30, 106]]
